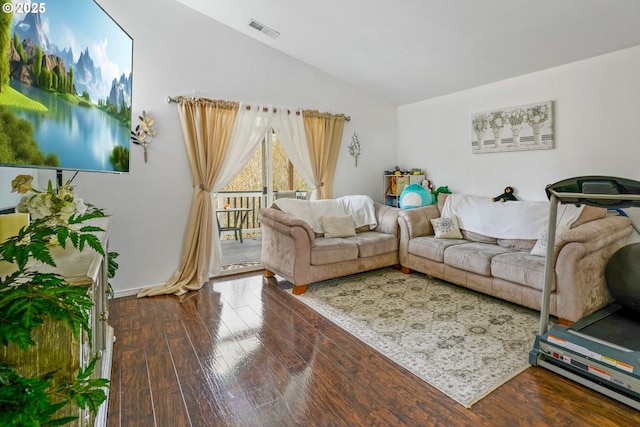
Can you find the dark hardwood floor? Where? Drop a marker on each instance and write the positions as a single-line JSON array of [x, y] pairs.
[[237, 353]]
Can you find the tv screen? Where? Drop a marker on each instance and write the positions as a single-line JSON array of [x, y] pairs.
[[65, 87]]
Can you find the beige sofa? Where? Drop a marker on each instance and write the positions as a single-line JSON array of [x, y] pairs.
[[505, 268], [294, 251]]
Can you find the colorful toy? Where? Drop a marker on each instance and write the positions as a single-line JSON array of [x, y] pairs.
[[414, 196], [442, 189], [506, 196]]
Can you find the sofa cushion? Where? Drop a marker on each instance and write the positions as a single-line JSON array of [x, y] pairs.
[[589, 213], [476, 237], [328, 251], [520, 267], [338, 226], [474, 257], [517, 244], [431, 248], [371, 243]]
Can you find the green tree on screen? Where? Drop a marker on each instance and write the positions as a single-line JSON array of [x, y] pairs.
[[36, 67], [5, 43], [17, 144]]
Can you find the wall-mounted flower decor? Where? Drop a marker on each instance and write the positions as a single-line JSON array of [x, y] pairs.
[[144, 132], [354, 147]]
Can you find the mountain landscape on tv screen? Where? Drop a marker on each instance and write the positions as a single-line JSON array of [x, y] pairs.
[[67, 101]]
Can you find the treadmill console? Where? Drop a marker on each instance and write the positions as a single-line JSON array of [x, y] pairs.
[[599, 191]]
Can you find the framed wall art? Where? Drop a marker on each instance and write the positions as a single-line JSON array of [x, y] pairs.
[[521, 128]]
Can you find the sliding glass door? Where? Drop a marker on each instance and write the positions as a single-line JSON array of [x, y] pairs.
[[268, 176]]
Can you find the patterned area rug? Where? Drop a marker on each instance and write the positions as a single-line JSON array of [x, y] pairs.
[[463, 343], [240, 265]]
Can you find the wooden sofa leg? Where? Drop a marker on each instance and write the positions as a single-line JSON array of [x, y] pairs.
[[268, 273], [565, 322], [406, 270], [299, 289]]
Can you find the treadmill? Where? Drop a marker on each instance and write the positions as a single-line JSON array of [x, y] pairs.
[[602, 350]]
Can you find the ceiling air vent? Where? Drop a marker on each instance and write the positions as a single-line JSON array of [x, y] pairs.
[[263, 29]]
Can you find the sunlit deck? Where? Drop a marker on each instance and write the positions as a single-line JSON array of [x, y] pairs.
[[238, 256]]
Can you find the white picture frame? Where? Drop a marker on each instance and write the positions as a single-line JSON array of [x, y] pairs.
[[521, 128]]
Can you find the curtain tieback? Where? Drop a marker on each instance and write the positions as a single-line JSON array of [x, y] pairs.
[[201, 186]]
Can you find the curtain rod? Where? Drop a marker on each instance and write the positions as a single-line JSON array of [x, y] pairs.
[[171, 99]]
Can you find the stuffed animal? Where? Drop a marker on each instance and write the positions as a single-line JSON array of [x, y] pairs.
[[442, 189], [414, 196], [506, 196]]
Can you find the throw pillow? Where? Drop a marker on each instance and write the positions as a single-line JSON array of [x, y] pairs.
[[338, 226], [446, 228], [540, 248]]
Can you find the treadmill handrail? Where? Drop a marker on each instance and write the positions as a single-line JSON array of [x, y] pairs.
[[565, 197]]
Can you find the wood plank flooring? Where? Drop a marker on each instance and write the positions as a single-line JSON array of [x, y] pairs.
[[240, 353]]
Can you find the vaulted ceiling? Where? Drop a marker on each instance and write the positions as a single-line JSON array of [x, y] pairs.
[[404, 51]]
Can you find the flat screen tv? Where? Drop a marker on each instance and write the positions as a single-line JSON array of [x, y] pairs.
[[65, 87]]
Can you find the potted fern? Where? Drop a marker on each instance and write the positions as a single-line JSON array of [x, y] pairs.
[[28, 299]]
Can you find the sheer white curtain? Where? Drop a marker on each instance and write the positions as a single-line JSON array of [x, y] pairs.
[[289, 129], [252, 124]]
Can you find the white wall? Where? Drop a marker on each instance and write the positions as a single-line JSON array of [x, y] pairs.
[[180, 52], [597, 112]]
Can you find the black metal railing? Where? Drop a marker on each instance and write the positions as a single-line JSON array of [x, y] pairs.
[[241, 199], [252, 200]]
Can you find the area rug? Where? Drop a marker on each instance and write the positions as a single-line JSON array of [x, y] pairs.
[[240, 265], [461, 342]]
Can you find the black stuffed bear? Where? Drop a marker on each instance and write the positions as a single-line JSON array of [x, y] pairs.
[[506, 196]]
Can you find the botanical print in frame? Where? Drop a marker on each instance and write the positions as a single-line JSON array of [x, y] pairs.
[[525, 127]]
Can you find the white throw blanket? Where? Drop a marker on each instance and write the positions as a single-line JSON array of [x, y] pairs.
[[310, 211], [506, 220]]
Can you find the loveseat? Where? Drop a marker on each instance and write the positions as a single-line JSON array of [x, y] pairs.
[[497, 250], [310, 241]]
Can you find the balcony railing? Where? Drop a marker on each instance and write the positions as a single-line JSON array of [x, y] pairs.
[[242, 199], [252, 200]]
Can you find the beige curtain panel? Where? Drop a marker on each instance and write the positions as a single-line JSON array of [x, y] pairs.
[[207, 127], [324, 135]]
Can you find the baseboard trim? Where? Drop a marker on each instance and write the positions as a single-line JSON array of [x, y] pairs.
[[126, 292]]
